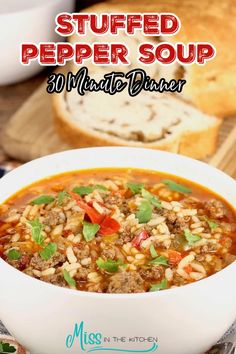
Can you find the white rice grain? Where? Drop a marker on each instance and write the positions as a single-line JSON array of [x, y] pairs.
[[36, 272], [156, 221], [94, 277], [208, 258], [49, 271], [176, 209], [15, 238], [132, 267], [71, 237], [176, 204], [130, 259], [86, 261], [73, 266], [98, 207], [185, 261], [34, 210], [97, 196], [189, 212], [195, 219], [134, 251], [196, 225], [139, 256], [57, 231], [205, 235], [70, 205], [169, 274], [182, 273], [13, 218], [26, 211], [196, 275], [72, 273], [198, 267], [70, 255], [157, 238], [126, 247], [111, 185], [198, 230], [200, 243], [163, 229], [166, 205], [77, 238]]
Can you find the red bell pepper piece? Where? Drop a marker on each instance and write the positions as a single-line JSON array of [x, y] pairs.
[[24, 262], [75, 196], [143, 235], [174, 257], [109, 226], [93, 214]]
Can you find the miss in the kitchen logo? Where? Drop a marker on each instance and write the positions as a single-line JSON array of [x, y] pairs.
[[95, 341]]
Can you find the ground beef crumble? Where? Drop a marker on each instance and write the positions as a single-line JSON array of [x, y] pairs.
[[215, 208], [126, 282], [56, 279], [153, 273], [40, 264]]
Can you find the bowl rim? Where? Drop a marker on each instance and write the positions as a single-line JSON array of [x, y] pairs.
[[207, 281]]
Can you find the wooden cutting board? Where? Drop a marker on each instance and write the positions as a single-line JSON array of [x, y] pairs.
[[30, 134]]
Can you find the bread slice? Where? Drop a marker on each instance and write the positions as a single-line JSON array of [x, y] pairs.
[[210, 87], [150, 120]]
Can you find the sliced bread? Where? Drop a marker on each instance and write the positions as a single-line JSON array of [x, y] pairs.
[[151, 120], [210, 87]]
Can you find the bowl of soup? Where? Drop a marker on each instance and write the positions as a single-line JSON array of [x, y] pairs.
[[117, 250]]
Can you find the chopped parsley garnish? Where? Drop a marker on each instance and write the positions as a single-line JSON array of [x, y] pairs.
[[62, 196], [36, 231], [6, 348], [161, 260], [90, 230], [13, 255], [43, 199], [153, 252], [160, 286], [212, 224], [191, 238], [135, 187], [176, 187], [151, 198], [110, 266], [85, 190], [101, 187], [144, 213], [70, 281], [48, 251]]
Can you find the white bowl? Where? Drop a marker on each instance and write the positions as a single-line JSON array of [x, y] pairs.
[[186, 320], [26, 21]]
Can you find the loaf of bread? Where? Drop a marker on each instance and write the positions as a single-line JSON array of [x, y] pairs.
[[151, 120], [210, 87]]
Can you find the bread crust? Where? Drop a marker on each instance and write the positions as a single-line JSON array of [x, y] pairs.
[[199, 144], [210, 87]]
